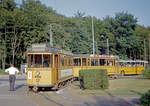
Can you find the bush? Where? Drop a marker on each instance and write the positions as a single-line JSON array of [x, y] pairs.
[[146, 73], [145, 99], [3, 72], [93, 79]]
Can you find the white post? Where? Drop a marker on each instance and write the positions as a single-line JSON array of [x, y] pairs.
[[149, 48], [51, 36], [107, 46], [93, 37], [144, 50]]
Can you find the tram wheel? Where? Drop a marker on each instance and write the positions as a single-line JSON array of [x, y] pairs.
[[30, 88], [35, 88]]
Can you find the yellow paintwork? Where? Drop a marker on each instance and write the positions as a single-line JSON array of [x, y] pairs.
[[111, 70], [132, 70], [47, 77], [43, 79]]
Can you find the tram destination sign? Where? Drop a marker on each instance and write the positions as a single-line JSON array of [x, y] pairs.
[[39, 47]]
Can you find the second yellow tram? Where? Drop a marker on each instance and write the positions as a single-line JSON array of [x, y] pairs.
[[86, 61]]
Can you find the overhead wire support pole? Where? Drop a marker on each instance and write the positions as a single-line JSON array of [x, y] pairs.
[[107, 46], [149, 48], [144, 50], [51, 36], [93, 36]]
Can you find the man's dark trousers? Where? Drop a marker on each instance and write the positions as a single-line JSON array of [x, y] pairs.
[[12, 79]]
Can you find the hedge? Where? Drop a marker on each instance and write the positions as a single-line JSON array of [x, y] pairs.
[[146, 73], [93, 79], [145, 99], [2, 72]]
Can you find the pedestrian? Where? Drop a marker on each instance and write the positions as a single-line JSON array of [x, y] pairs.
[[12, 70]]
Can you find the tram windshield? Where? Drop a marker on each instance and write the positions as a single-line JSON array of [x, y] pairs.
[[39, 60]]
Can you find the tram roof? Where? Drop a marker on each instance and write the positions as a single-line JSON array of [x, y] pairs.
[[41, 48], [91, 55]]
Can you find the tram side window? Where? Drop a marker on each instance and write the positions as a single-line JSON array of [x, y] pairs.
[[140, 64], [77, 62], [66, 61], [102, 62], [110, 62], [94, 62], [62, 61], [30, 61], [83, 61], [46, 61], [70, 62], [38, 61]]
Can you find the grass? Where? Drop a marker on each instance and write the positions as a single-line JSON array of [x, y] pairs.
[[122, 87], [3, 72]]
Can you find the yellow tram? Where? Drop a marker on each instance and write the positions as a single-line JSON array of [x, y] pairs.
[[132, 67], [86, 61], [48, 67]]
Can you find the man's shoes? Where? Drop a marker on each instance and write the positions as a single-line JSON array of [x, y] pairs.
[[11, 90]]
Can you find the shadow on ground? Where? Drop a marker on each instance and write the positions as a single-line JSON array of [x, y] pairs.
[[111, 100], [20, 86]]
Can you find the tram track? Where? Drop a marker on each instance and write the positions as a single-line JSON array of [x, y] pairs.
[[50, 100]]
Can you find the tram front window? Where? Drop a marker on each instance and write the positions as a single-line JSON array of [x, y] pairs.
[[46, 60], [39, 60]]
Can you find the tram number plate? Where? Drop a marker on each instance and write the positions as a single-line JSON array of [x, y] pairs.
[[29, 75]]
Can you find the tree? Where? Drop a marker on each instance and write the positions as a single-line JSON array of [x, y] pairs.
[[124, 26]]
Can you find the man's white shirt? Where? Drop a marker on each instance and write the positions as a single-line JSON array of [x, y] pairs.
[[12, 70]]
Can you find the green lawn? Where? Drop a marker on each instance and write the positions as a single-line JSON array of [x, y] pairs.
[[3, 73], [122, 87]]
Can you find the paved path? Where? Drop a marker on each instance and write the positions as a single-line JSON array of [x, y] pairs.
[[64, 97]]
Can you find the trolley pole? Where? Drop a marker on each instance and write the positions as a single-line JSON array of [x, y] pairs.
[[51, 36], [107, 46], [93, 37]]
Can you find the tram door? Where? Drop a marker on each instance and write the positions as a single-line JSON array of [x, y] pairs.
[[56, 65]]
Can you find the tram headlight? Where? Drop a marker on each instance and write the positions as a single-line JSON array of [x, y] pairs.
[[37, 73]]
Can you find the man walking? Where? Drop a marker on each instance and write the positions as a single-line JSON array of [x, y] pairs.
[[12, 70]]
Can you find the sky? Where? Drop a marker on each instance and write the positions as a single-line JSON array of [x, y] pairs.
[[102, 8]]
